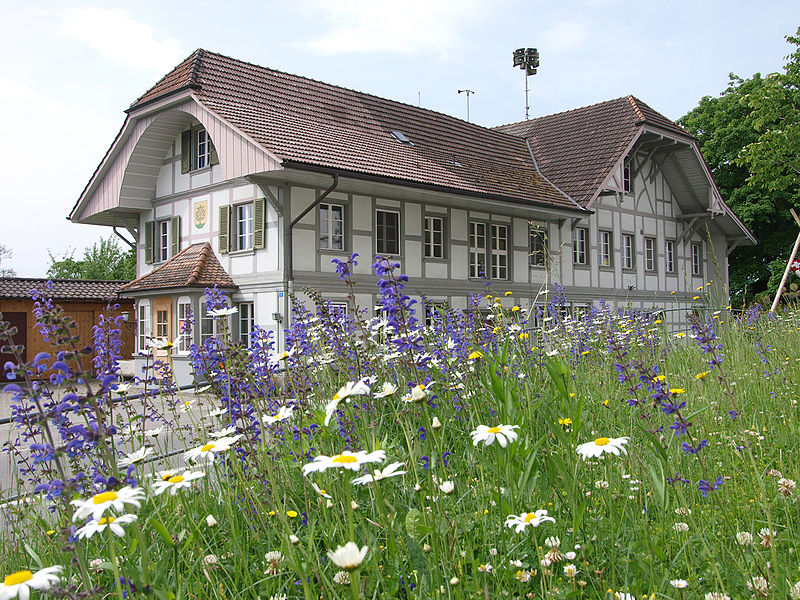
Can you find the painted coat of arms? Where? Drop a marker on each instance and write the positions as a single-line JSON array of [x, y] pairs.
[[200, 214]]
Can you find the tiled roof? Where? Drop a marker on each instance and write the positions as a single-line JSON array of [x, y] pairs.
[[195, 266], [62, 289], [307, 122], [577, 149]]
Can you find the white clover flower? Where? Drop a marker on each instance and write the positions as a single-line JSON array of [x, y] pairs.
[[744, 538], [209, 450], [602, 445], [273, 561], [521, 521], [378, 474], [352, 461], [552, 541], [97, 505], [716, 596], [679, 584], [681, 527], [504, 434], [570, 571], [113, 523], [759, 586], [20, 583], [447, 487], [342, 578], [348, 557], [177, 482]]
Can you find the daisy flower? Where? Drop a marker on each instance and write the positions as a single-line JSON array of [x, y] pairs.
[[98, 504], [387, 389], [601, 446], [346, 460], [177, 482], [504, 434], [447, 487], [320, 491], [418, 393], [20, 584], [520, 522], [284, 412], [208, 451], [121, 388], [348, 557], [377, 475], [223, 312], [115, 524], [679, 584], [135, 457], [351, 388], [228, 431], [155, 432]]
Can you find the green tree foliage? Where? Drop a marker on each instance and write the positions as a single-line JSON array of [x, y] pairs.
[[733, 130], [104, 260], [6, 253]]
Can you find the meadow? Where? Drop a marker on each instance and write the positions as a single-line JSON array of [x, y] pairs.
[[498, 452]]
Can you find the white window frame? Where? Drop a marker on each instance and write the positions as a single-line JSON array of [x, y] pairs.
[[247, 320], [650, 254], [697, 259], [243, 222], [386, 246], [329, 240], [669, 256], [537, 246], [208, 325], [606, 248], [434, 226], [499, 254], [144, 323], [477, 252], [432, 311], [628, 251], [203, 149], [183, 305], [627, 181], [580, 255], [163, 240], [165, 333]]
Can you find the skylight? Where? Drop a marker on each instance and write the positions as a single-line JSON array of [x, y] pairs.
[[400, 137]]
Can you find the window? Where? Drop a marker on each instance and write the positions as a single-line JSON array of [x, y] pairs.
[[246, 322], [606, 248], [538, 247], [650, 254], [331, 227], [203, 145], [628, 261], [197, 150], [162, 325], [145, 325], [579, 239], [434, 237], [185, 318], [338, 308], [433, 312], [669, 255], [499, 252], [477, 250], [627, 183], [697, 259], [162, 245], [208, 324], [387, 232], [161, 239], [243, 226]]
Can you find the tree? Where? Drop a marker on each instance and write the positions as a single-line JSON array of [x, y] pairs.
[[104, 260], [6, 253]]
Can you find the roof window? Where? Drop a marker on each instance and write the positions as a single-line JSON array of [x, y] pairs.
[[400, 137]]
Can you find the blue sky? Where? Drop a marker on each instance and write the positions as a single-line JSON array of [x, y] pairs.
[[69, 70]]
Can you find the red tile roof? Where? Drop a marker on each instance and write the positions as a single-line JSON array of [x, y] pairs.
[[309, 123], [577, 149], [90, 290], [195, 266]]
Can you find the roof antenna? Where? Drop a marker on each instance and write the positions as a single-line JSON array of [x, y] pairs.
[[468, 92], [419, 98], [527, 59]]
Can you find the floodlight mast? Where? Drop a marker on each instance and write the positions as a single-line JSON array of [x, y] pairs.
[[527, 59], [468, 92]]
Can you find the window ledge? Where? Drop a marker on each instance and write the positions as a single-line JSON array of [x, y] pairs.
[[248, 252], [199, 171], [581, 266], [436, 260]]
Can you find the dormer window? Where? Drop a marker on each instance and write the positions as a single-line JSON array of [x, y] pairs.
[[197, 150], [627, 184]]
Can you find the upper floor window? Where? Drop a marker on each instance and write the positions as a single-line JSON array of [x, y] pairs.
[[197, 150], [387, 231], [580, 240], [697, 259], [606, 248], [499, 252], [628, 252], [331, 227], [162, 244], [161, 239], [477, 249], [434, 237], [243, 226], [650, 254], [627, 181], [669, 256], [538, 247]]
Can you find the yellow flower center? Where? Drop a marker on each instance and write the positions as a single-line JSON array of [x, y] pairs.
[[166, 476], [601, 441], [323, 492], [206, 448], [106, 521], [530, 517], [104, 497], [176, 479], [343, 459], [494, 430], [336, 396], [17, 578]]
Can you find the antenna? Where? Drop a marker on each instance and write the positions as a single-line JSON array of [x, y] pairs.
[[468, 92], [527, 59]]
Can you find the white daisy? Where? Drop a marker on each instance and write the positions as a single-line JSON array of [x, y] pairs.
[[98, 504], [284, 412], [351, 388], [346, 460], [348, 557], [222, 312], [177, 482], [679, 584], [122, 388], [378, 474], [135, 457], [418, 393], [504, 434], [320, 491], [602, 445], [155, 432], [447, 487], [520, 522], [208, 451], [228, 431], [20, 584], [113, 523], [387, 389]]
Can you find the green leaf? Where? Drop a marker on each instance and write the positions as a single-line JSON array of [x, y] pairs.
[[414, 524], [162, 531]]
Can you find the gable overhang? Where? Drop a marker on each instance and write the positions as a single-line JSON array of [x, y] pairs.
[[124, 184]]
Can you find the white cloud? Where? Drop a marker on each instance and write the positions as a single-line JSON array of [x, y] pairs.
[[562, 38], [410, 27], [117, 37]]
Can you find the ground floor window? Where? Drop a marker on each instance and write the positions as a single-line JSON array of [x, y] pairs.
[[144, 325], [246, 322]]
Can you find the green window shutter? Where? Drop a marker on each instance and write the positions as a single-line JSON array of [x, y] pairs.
[[175, 235], [149, 228], [186, 151], [213, 152], [224, 228], [258, 223]]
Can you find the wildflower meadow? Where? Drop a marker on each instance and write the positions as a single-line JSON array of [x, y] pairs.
[[502, 451]]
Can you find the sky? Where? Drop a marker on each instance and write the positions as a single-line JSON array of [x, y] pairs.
[[69, 70]]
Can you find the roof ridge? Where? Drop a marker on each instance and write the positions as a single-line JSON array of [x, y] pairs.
[[202, 260], [194, 59], [634, 104], [197, 64], [64, 280], [563, 112]]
